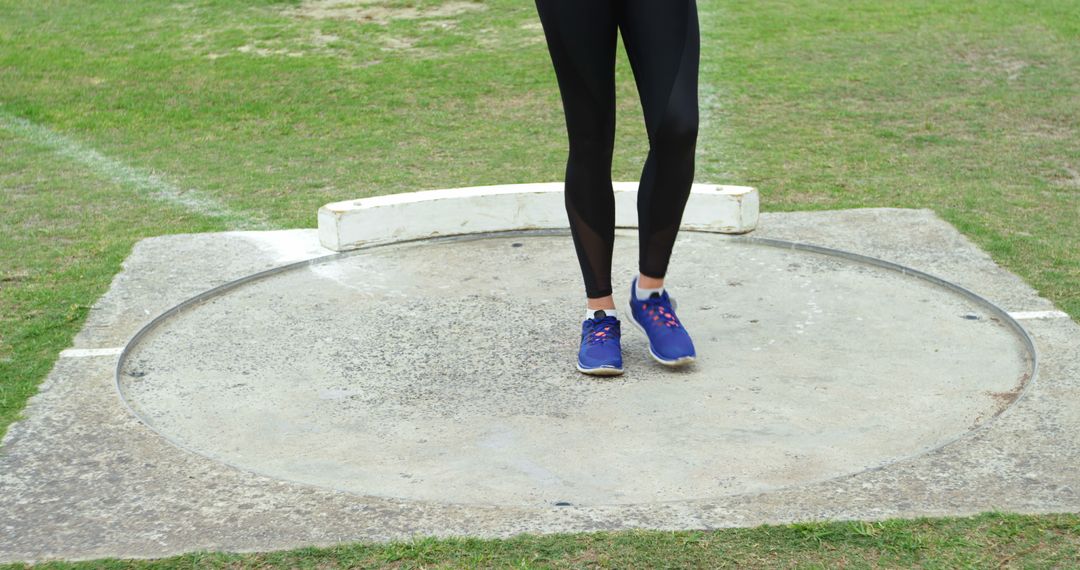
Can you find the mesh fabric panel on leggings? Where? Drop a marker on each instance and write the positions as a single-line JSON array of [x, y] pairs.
[[662, 44]]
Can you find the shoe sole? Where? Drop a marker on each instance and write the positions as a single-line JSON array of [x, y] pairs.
[[681, 361], [602, 371]]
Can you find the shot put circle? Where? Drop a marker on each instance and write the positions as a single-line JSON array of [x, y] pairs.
[[443, 370]]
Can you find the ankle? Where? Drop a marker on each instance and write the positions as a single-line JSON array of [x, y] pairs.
[[600, 303], [641, 292], [646, 282], [605, 304]]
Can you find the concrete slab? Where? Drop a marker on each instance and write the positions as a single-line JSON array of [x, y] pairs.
[[82, 477]]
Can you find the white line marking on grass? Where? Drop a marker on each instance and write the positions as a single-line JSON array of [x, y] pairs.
[[1019, 315], [123, 174], [85, 352], [716, 160], [712, 153]]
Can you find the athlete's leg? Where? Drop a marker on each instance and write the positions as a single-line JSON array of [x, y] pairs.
[[581, 38], [663, 44]]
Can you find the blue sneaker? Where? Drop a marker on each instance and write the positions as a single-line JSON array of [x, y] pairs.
[[600, 352], [669, 343]]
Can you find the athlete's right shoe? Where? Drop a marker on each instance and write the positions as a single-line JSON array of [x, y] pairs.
[[669, 343], [600, 352]]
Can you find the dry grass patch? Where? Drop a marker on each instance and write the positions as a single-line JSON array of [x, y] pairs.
[[996, 63], [381, 11], [433, 17], [1069, 177]]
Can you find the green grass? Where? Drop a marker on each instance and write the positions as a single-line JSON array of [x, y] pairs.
[[968, 108], [986, 541]]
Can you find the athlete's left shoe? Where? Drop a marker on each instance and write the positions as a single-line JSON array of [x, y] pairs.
[[669, 343]]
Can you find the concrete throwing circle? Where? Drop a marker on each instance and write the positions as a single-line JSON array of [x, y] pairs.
[[443, 370]]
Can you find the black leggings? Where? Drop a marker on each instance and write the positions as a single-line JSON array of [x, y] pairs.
[[662, 43]]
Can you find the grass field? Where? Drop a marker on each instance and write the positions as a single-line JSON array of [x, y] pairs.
[[122, 120], [986, 541]]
